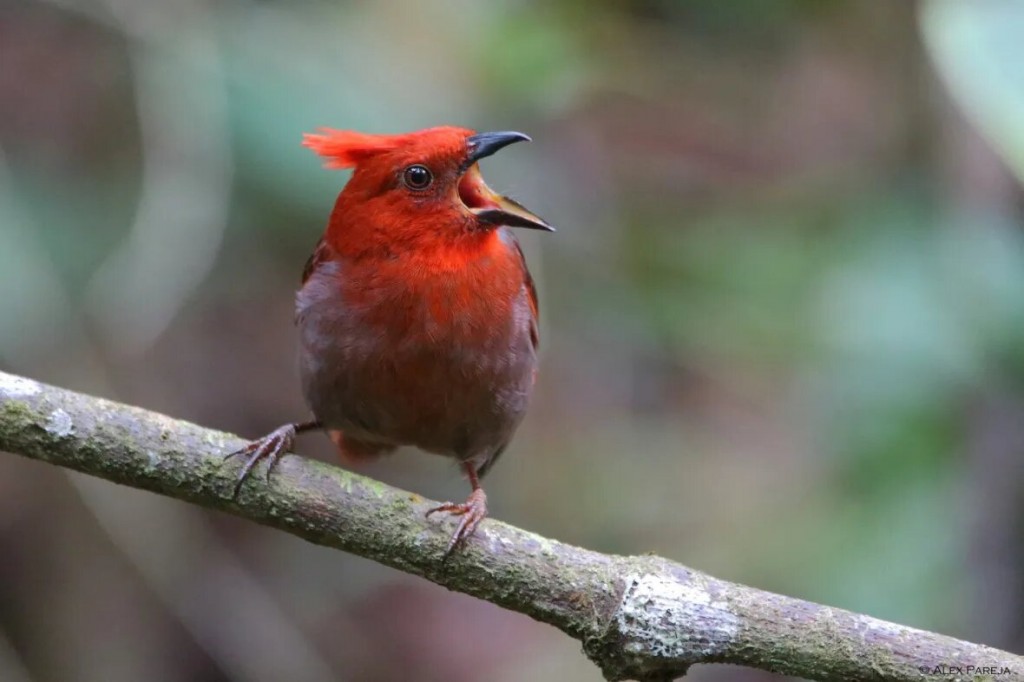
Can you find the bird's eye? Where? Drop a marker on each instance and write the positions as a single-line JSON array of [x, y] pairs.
[[417, 177]]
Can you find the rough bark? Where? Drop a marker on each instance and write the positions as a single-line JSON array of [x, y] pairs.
[[639, 617]]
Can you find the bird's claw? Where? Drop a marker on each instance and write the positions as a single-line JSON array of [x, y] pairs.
[[271, 447], [472, 511]]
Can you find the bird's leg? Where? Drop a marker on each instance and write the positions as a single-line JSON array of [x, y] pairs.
[[271, 447], [472, 511]]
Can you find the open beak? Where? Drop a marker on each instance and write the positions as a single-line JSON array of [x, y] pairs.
[[487, 205]]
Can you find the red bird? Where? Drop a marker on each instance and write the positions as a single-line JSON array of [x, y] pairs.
[[417, 315]]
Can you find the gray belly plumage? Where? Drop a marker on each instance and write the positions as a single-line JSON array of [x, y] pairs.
[[460, 389]]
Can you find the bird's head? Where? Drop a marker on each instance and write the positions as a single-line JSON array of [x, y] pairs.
[[417, 188]]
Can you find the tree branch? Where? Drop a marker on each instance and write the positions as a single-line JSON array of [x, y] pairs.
[[642, 618]]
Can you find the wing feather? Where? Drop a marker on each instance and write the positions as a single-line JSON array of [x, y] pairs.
[[319, 255], [531, 292]]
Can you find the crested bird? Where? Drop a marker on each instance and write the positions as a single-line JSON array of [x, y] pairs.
[[417, 315]]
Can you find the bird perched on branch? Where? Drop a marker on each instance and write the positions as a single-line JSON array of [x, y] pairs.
[[417, 315]]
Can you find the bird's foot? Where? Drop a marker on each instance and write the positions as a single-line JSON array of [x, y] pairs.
[[270, 447], [472, 511]]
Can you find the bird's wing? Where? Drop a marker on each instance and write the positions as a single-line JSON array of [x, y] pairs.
[[531, 292], [531, 296], [319, 255]]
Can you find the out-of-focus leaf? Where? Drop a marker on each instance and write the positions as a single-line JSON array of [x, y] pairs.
[[977, 49]]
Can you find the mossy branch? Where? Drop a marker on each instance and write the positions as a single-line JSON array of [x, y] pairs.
[[643, 618]]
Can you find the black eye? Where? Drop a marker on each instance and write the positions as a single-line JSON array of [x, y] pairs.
[[417, 177]]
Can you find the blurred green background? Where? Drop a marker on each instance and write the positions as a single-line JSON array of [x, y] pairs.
[[783, 316]]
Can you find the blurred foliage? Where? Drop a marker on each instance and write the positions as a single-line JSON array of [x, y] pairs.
[[975, 47], [783, 316]]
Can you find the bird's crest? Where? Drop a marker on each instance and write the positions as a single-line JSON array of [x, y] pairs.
[[347, 148]]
